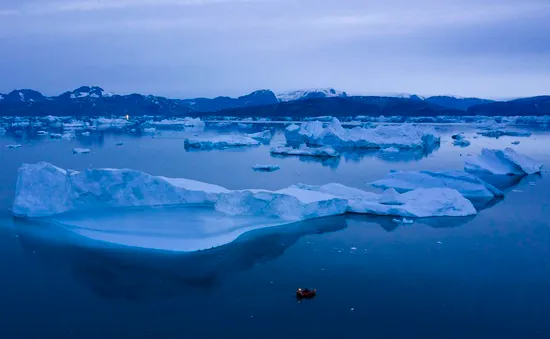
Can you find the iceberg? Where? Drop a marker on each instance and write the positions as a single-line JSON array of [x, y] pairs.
[[470, 186], [180, 122], [86, 134], [402, 136], [303, 150], [149, 130], [266, 168], [418, 203], [503, 132], [459, 140], [42, 133], [81, 151], [222, 141], [263, 137], [14, 146], [502, 162]]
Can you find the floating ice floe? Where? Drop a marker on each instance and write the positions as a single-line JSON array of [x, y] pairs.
[[221, 141], [66, 136], [420, 203], [44, 190], [304, 150], [73, 125], [243, 125], [403, 221], [263, 137], [42, 133], [497, 133], [459, 140], [149, 130], [470, 186], [515, 142], [105, 123], [180, 122], [14, 146], [81, 151], [502, 162], [403, 136], [86, 134], [266, 168], [119, 144]]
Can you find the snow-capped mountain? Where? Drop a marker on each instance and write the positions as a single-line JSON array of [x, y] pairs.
[[93, 92], [309, 94]]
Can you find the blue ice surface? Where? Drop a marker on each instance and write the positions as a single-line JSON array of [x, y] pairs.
[[479, 277]]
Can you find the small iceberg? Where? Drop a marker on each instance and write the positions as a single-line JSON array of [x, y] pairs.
[[119, 144], [459, 140], [515, 142], [14, 146], [86, 134], [402, 136], [503, 132], [304, 150], [403, 221], [149, 130], [266, 168], [42, 133], [81, 151], [219, 142], [470, 186], [502, 162], [263, 137]]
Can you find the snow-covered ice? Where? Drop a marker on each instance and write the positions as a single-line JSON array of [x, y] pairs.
[[470, 186], [221, 141], [403, 136], [81, 151], [266, 168], [304, 150], [502, 162]]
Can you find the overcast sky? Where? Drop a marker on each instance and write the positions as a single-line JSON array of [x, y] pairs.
[[189, 48]]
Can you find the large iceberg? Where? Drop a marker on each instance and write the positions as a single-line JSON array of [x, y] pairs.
[[420, 203], [304, 150], [470, 186], [221, 141], [403, 136], [502, 162], [44, 190]]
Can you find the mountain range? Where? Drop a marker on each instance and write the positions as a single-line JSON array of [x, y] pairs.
[[94, 101]]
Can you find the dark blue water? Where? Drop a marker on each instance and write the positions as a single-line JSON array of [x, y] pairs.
[[481, 277]]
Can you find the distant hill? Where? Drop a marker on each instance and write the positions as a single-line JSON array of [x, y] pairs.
[[534, 106], [94, 101], [310, 94], [457, 102]]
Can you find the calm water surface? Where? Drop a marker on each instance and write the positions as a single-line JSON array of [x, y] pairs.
[[481, 277]]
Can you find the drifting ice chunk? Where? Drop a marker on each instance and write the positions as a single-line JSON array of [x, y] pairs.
[[266, 168], [470, 186], [403, 221], [391, 197], [42, 133], [86, 134], [149, 130], [303, 150], [263, 137], [13, 146], [506, 162], [221, 141], [421, 203], [402, 136], [503, 132], [515, 143], [459, 140], [81, 151]]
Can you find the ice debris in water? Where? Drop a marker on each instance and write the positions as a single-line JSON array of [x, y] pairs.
[[42, 133], [403, 136], [503, 132], [515, 142], [43, 190], [119, 144], [149, 130], [266, 168], [86, 134], [304, 150], [81, 151], [221, 141], [502, 162], [470, 186], [14, 146]]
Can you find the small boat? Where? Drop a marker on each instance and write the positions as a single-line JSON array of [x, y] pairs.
[[305, 293]]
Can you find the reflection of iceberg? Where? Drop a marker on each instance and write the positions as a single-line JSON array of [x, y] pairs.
[[331, 162], [390, 155], [387, 222], [136, 275]]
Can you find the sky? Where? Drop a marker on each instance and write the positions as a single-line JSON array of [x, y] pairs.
[[206, 48]]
